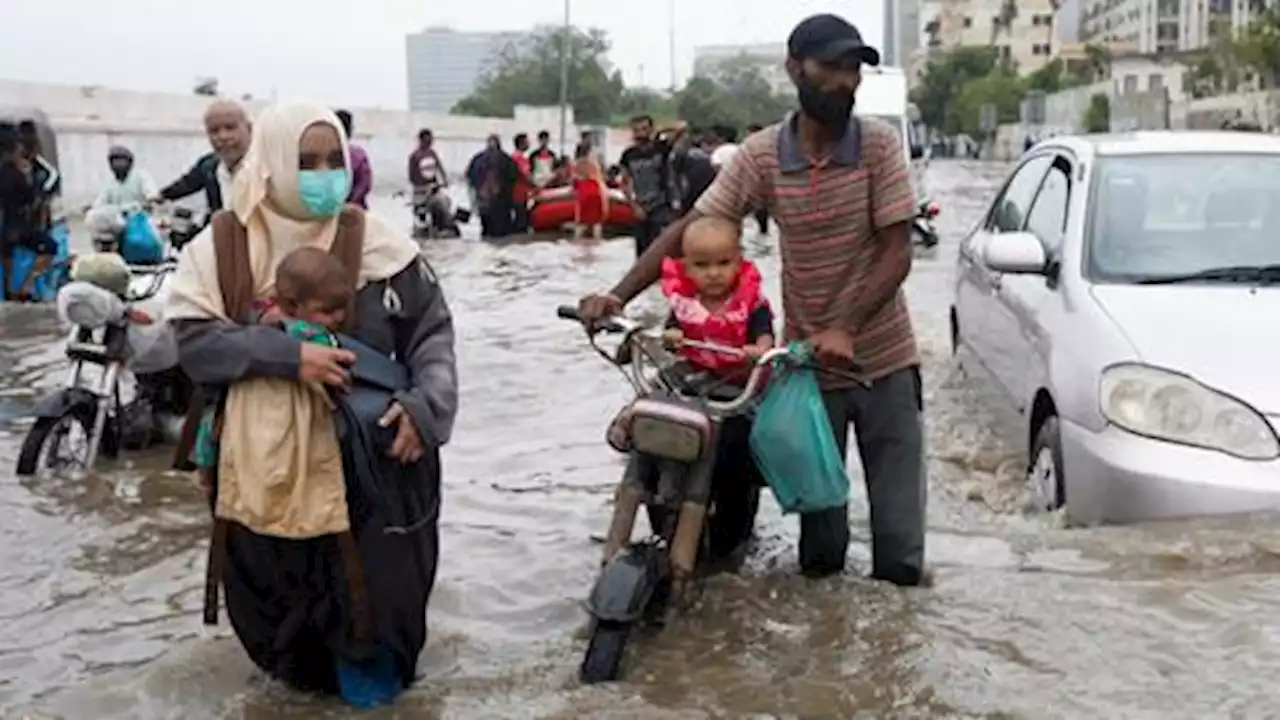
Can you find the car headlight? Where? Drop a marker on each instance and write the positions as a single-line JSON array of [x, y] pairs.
[[1169, 406]]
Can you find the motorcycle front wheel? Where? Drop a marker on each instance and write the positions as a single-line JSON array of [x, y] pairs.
[[603, 659], [57, 444]]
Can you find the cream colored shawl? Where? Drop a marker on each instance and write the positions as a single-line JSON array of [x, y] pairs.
[[280, 470]]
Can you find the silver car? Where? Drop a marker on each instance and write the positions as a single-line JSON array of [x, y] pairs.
[[1122, 292]]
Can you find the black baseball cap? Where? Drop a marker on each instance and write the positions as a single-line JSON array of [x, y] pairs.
[[830, 38]]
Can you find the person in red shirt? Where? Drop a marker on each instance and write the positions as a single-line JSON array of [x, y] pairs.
[[524, 184], [591, 202]]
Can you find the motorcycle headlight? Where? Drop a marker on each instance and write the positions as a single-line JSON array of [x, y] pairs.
[[1173, 407], [88, 306]]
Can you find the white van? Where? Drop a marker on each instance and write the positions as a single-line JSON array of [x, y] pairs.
[[883, 95]]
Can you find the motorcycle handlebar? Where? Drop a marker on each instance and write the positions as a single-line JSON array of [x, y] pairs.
[[643, 385]]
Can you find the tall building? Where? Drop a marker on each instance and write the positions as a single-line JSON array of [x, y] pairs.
[[768, 58], [444, 65], [902, 27], [1162, 26], [1068, 19], [1028, 39]]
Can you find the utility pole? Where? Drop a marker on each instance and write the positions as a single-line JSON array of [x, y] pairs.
[[564, 79]]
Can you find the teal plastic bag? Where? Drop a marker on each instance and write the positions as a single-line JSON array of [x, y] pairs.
[[793, 444], [141, 244]]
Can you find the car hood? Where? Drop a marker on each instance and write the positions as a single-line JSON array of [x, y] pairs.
[[1222, 335]]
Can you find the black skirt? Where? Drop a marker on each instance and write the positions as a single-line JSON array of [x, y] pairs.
[[289, 600]]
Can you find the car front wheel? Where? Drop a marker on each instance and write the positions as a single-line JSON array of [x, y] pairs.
[[1044, 483]]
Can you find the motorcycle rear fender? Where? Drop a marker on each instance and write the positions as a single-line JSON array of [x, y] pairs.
[[627, 583], [58, 403]]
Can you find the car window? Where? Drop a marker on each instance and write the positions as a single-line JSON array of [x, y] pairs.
[[1048, 216], [1175, 214], [1010, 210]]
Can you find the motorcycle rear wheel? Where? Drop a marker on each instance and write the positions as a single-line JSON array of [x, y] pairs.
[[605, 650], [47, 435]]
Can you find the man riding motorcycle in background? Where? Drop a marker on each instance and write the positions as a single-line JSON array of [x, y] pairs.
[[429, 180], [131, 188], [229, 130]]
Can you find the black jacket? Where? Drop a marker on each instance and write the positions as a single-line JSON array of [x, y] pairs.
[[202, 176]]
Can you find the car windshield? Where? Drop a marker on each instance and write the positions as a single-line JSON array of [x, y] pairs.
[[1165, 217]]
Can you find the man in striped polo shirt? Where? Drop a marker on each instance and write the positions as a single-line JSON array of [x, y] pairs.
[[839, 189]]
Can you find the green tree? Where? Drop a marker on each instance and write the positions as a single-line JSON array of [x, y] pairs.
[[528, 73], [1054, 77], [1097, 119], [1099, 61], [945, 76], [644, 101], [735, 93], [1258, 46], [1001, 87]]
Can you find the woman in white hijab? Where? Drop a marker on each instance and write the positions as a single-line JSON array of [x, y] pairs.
[[288, 515]]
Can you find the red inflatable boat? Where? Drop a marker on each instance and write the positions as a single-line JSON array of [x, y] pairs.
[[552, 209]]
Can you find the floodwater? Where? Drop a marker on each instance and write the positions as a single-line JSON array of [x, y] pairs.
[[101, 578]]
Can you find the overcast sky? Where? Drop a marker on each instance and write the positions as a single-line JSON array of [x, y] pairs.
[[352, 53]]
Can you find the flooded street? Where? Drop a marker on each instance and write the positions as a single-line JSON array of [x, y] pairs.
[[101, 579]]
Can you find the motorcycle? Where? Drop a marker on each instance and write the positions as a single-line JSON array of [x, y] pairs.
[[180, 226], [671, 434], [112, 334], [133, 232], [924, 233], [430, 218]]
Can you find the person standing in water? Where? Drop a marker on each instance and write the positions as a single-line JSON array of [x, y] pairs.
[[543, 161], [492, 176], [361, 170], [303, 568], [840, 189], [523, 185], [647, 178], [227, 126], [589, 194]]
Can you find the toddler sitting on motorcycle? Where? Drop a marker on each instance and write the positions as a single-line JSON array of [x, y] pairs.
[[716, 297], [312, 293]]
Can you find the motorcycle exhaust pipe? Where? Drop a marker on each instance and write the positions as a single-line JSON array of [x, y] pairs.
[[626, 502]]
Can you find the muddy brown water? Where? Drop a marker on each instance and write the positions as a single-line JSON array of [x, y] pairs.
[[101, 577]]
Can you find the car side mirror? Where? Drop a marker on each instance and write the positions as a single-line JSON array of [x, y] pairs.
[[1016, 253], [917, 152]]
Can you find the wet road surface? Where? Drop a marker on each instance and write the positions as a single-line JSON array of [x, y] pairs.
[[101, 578]]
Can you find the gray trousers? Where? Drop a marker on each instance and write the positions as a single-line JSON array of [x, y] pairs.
[[890, 432]]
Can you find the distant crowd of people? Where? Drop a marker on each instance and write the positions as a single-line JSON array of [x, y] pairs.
[[658, 177]]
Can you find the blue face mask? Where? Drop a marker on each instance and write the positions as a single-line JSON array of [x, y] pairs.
[[323, 192]]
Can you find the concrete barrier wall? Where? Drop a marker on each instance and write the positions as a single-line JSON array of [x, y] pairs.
[[1261, 107], [1147, 110], [1064, 111], [166, 134]]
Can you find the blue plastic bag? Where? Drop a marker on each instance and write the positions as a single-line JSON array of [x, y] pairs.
[[793, 443], [46, 285], [141, 243]]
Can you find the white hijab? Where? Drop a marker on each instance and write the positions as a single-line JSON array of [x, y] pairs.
[[264, 196]]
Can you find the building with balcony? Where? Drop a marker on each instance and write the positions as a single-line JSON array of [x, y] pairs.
[[1023, 31], [444, 65], [1162, 26]]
